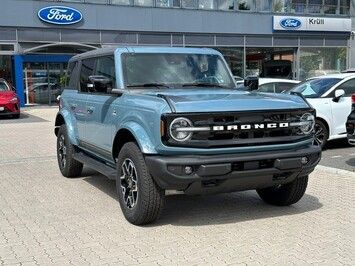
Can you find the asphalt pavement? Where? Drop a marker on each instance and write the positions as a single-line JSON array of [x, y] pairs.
[[339, 154]]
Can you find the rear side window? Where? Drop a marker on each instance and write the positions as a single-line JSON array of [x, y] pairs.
[[73, 74], [87, 70]]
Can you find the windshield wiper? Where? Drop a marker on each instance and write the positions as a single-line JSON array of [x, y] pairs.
[[149, 85], [202, 84]]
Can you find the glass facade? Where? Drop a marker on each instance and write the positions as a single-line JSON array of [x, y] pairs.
[[324, 7], [5, 68], [321, 61]]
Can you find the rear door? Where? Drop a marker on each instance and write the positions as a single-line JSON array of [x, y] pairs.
[[76, 99], [342, 108]]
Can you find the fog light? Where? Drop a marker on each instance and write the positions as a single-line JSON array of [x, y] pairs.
[[304, 160], [188, 170]]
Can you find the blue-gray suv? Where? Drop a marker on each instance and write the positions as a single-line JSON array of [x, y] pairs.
[[157, 119]]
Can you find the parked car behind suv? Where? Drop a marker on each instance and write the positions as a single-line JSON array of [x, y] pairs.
[[331, 97], [157, 119], [9, 102], [350, 123]]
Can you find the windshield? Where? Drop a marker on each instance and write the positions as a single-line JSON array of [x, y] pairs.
[[167, 69], [3, 86], [315, 88]]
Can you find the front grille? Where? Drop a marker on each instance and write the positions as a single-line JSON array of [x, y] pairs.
[[233, 138]]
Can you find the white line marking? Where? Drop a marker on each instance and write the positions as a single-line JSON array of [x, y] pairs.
[[337, 156]]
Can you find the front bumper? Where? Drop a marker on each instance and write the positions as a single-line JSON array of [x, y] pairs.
[[350, 129], [231, 172], [9, 109]]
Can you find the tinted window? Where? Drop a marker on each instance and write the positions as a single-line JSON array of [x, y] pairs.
[[315, 88], [105, 66], [87, 70], [73, 74], [348, 87]]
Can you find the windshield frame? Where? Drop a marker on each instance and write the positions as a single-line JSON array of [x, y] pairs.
[[175, 85], [318, 95]]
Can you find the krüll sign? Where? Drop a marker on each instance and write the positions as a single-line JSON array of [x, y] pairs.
[[288, 23], [60, 15]]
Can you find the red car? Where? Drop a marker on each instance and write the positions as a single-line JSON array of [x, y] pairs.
[[9, 102]]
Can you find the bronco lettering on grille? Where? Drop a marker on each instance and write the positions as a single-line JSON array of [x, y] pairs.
[[250, 126]]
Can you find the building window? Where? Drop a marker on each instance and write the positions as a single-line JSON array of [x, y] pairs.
[[143, 2], [234, 58], [206, 4], [245, 5], [5, 68], [315, 6], [121, 2], [162, 3], [299, 6], [330, 6], [189, 3], [226, 4], [321, 61], [344, 7], [263, 5], [282, 6]]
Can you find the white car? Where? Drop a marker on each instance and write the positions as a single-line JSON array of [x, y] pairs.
[[330, 95], [274, 85]]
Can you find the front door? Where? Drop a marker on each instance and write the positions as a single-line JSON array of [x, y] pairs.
[[100, 108], [342, 108]]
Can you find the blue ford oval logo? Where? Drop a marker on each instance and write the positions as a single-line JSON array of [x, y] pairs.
[[60, 15], [290, 23]]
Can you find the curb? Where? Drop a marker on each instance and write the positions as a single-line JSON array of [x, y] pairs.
[[336, 171]]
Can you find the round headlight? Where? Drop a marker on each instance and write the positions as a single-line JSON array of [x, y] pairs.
[[307, 123], [180, 123]]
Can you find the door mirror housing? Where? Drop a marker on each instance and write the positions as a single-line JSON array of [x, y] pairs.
[[13, 89], [100, 84], [338, 95], [252, 83]]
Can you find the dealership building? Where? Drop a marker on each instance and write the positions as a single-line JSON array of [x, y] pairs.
[[294, 39]]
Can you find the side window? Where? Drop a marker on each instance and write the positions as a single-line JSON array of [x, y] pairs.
[[87, 69], [348, 87], [283, 86], [269, 87], [73, 74], [105, 66]]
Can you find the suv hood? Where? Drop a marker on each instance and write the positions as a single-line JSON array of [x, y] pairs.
[[5, 95], [222, 100]]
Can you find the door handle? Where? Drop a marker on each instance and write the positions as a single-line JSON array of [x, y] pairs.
[[73, 106], [90, 110]]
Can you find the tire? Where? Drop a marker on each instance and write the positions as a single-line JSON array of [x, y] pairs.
[[321, 133], [68, 166], [140, 198], [285, 195]]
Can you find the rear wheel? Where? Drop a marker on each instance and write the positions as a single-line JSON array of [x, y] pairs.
[[140, 198], [321, 133], [69, 167], [285, 195]]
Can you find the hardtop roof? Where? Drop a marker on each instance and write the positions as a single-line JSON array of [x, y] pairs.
[[143, 49]]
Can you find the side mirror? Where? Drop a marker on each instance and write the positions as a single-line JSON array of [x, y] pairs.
[[13, 88], [100, 84], [252, 83], [338, 95]]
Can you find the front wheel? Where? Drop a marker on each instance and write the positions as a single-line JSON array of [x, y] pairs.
[[321, 133], [68, 166], [140, 198], [285, 195]]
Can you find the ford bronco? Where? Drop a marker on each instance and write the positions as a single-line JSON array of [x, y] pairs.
[[157, 119]]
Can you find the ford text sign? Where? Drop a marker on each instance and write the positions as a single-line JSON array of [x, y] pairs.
[[290, 23], [60, 15], [285, 23]]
